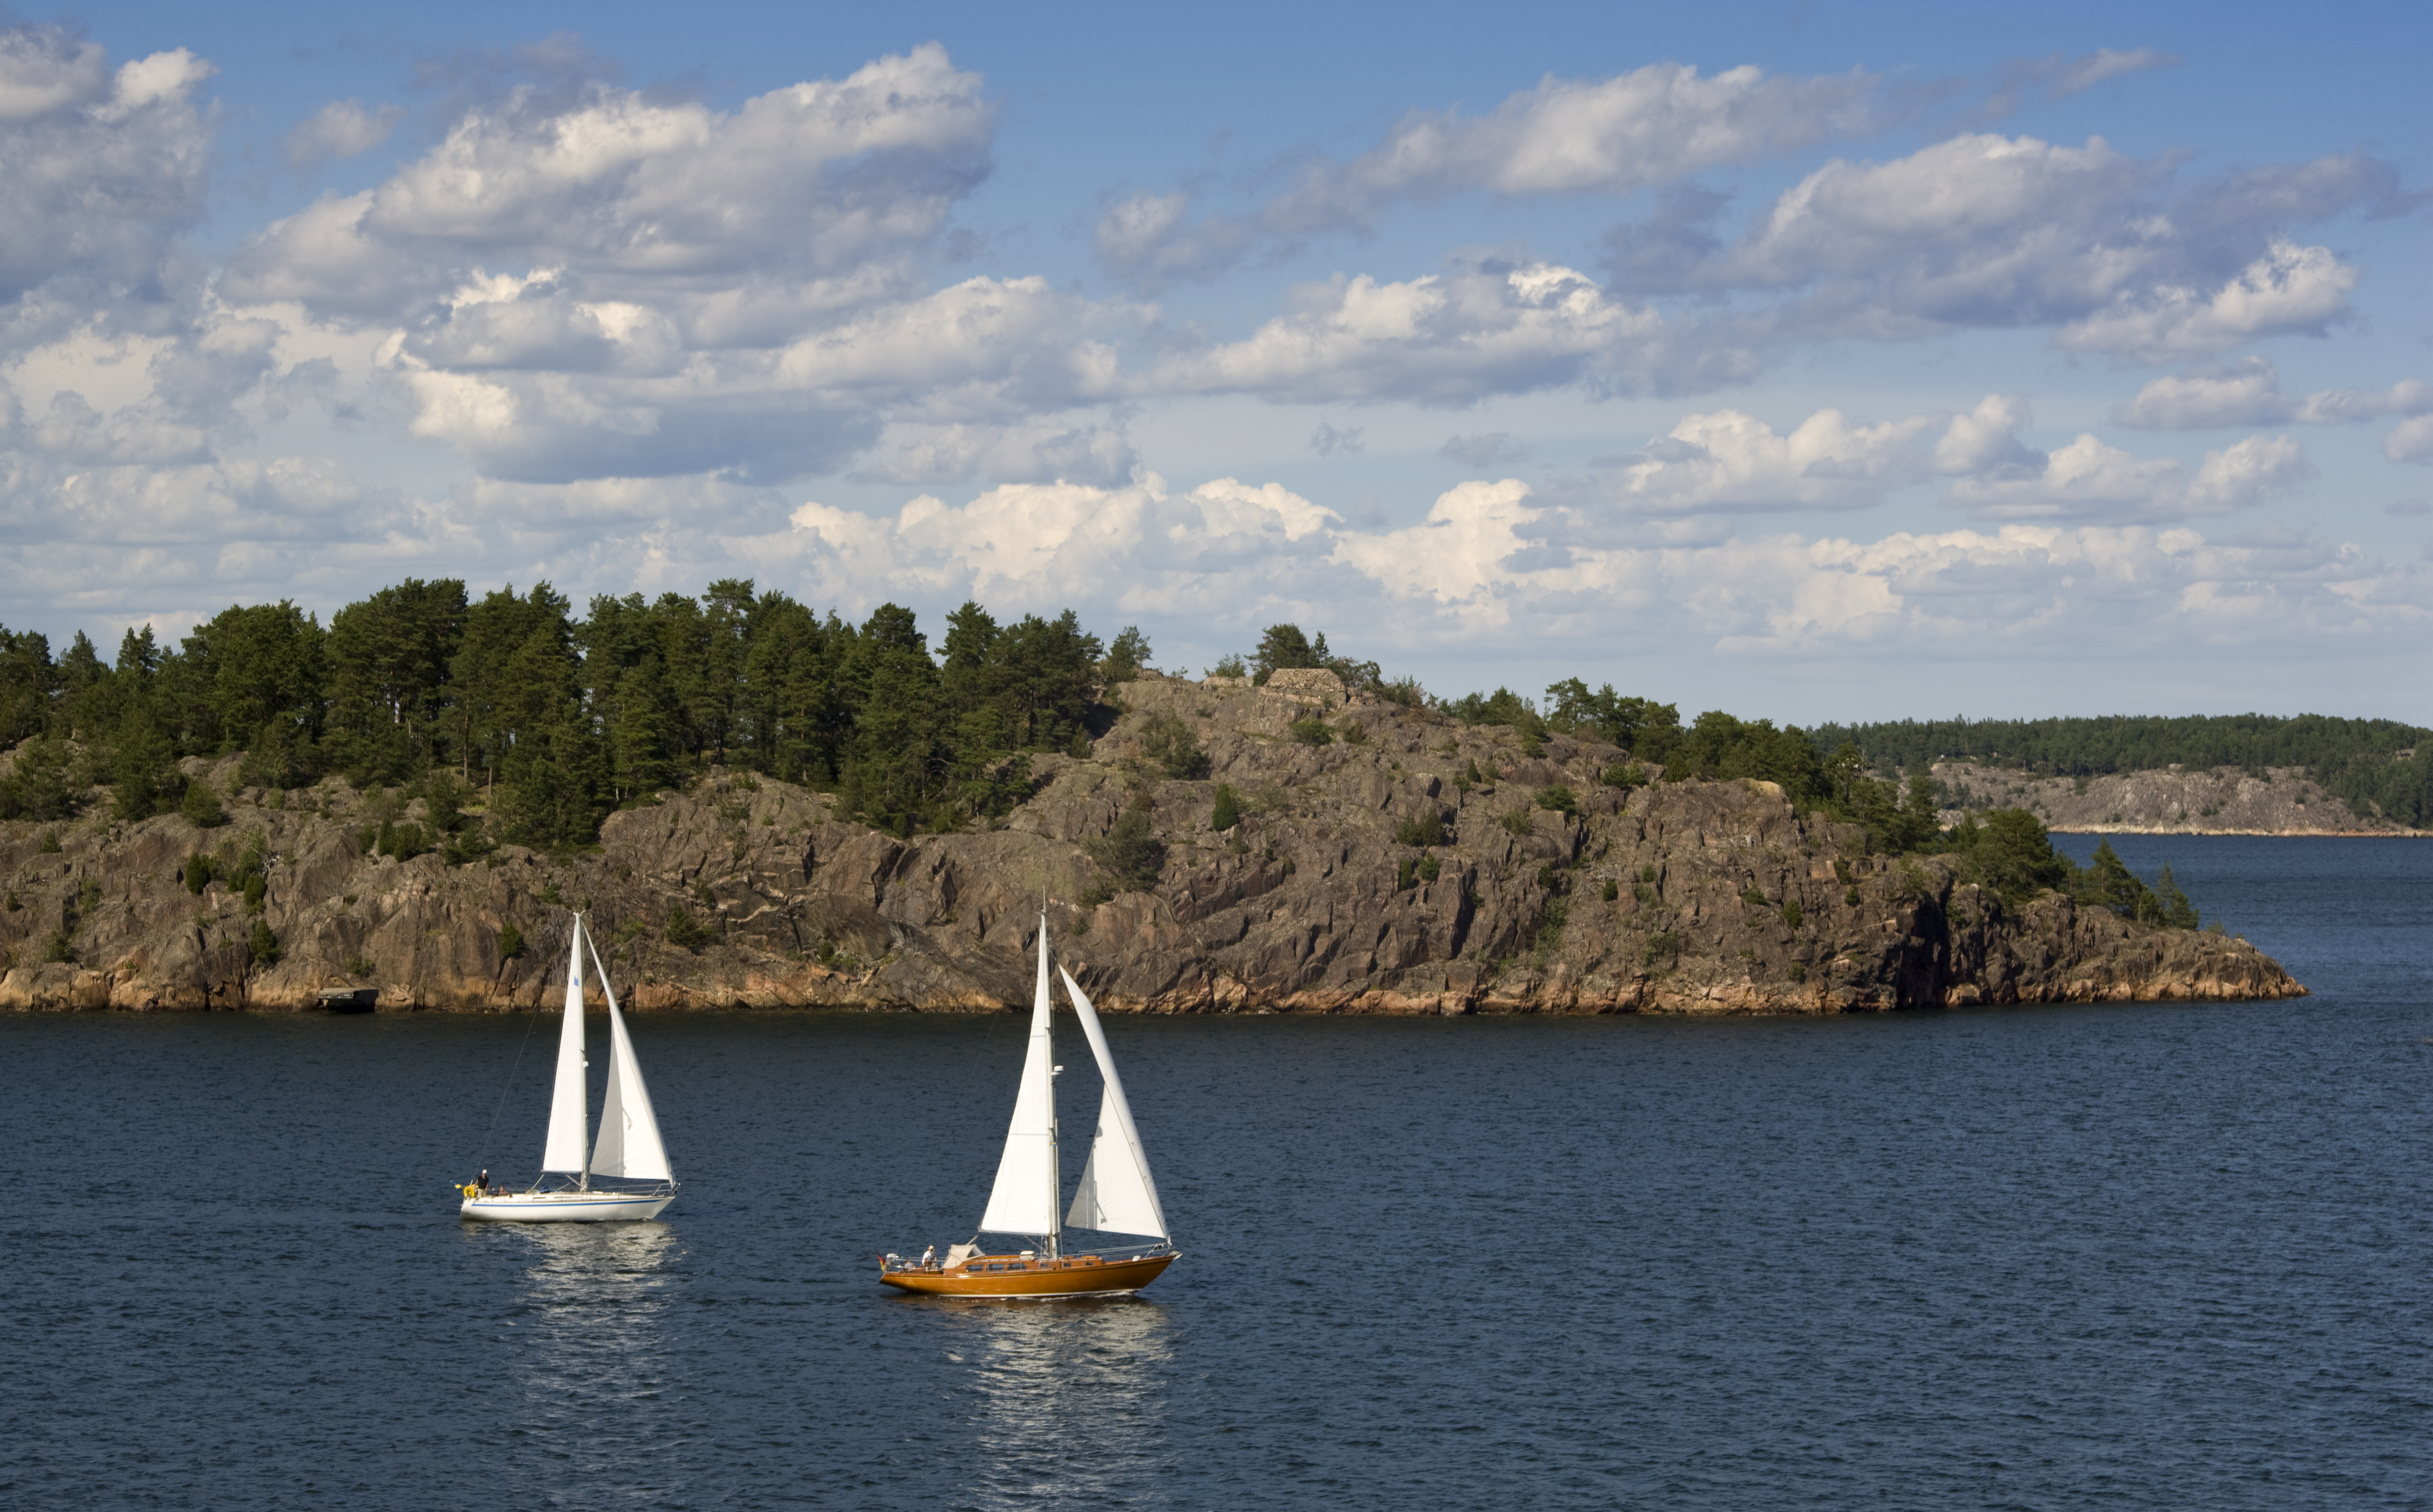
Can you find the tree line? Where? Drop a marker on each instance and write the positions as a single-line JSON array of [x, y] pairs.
[[2379, 767], [553, 720]]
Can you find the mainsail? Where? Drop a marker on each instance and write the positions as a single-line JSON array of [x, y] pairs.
[[1023, 1198], [629, 1132], [566, 1120], [1115, 1193]]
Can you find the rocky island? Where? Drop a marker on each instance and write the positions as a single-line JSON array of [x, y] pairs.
[[1218, 848]]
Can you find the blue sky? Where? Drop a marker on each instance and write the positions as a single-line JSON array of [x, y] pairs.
[[1812, 361]]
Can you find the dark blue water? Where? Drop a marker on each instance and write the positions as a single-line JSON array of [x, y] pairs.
[[2152, 1256]]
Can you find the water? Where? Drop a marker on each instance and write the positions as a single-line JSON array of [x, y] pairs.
[[2148, 1256]]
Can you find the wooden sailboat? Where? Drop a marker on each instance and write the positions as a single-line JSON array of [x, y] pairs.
[[1115, 1194], [628, 1148]]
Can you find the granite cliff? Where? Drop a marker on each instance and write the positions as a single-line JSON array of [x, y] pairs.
[[1547, 892]]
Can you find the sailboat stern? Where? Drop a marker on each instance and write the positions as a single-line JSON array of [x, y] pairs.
[[1013, 1277]]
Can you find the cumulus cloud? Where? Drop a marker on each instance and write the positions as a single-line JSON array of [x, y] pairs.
[[2290, 289], [586, 282], [1040, 546], [1475, 562], [2089, 479], [1983, 230], [342, 128], [1439, 339], [100, 168], [1731, 461], [628, 190], [1088, 453], [2410, 441], [1609, 136], [2248, 392]]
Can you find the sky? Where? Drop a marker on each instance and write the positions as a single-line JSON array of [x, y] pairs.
[[1810, 360]]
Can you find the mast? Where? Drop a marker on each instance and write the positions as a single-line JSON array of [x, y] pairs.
[[1047, 1038]]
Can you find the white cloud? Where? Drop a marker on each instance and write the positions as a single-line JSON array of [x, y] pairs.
[[2087, 478], [342, 128], [1991, 232], [2248, 392], [1043, 452], [1609, 136], [2289, 289], [100, 170], [1440, 339], [1731, 461], [1938, 595], [2410, 441], [1042, 546]]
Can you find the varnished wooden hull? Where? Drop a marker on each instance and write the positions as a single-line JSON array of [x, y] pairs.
[[1083, 1276]]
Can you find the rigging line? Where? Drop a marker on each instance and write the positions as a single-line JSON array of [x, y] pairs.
[[483, 1159]]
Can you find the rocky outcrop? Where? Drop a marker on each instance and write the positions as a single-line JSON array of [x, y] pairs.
[[2163, 801], [1548, 892]]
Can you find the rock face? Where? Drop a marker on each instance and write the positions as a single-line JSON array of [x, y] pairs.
[[1547, 892], [2172, 801]]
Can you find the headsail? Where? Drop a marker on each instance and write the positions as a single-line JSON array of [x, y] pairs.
[[629, 1132], [1115, 1193], [566, 1103], [1023, 1198]]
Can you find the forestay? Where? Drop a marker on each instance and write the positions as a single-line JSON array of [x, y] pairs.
[[1117, 1192], [566, 1102], [1023, 1198], [629, 1132]]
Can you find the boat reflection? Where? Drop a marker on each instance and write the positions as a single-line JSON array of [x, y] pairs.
[[1067, 1398], [593, 1362]]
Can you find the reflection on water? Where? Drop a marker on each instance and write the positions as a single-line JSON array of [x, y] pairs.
[[589, 1354], [1068, 1398]]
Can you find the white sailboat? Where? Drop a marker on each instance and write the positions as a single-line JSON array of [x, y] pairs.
[[1117, 1194], [628, 1148]]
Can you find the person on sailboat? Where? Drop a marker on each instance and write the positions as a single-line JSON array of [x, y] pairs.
[[929, 1256], [483, 1180]]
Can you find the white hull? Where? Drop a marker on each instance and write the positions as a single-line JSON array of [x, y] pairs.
[[567, 1207]]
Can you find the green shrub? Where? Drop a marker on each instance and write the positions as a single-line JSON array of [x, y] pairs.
[[1428, 868], [1791, 912], [1797, 971], [685, 932], [201, 807], [359, 967], [1228, 811], [1172, 745], [1310, 730], [1612, 890], [1851, 897], [1422, 829], [1660, 947], [57, 948], [511, 942], [1532, 744], [1557, 799], [261, 947], [198, 872], [1645, 894], [1131, 853], [1354, 733], [1516, 821], [1754, 897], [50, 845], [1407, 874], [1624, 774], [1647, 873]]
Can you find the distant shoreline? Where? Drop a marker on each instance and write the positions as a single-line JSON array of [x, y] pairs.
[[2262, 834]]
